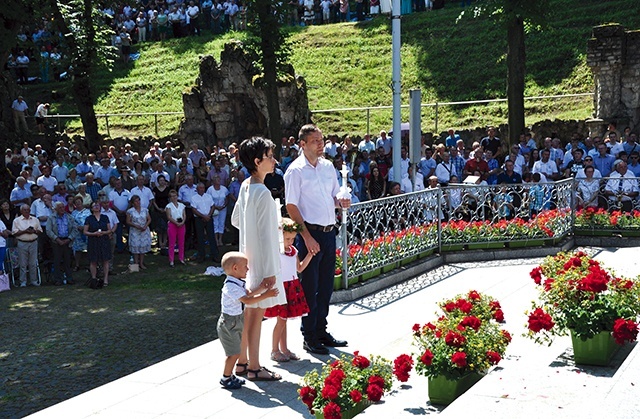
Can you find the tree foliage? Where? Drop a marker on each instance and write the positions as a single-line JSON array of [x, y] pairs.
[[518, 17]]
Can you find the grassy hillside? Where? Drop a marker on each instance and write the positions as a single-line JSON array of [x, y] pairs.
[[349, 65]]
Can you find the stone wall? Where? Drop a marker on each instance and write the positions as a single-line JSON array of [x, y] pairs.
[[613, 55], [225, 105]]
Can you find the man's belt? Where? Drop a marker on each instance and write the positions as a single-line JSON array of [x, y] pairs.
[[316, 227]]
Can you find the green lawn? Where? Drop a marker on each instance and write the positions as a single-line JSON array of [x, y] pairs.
[[349, 65]]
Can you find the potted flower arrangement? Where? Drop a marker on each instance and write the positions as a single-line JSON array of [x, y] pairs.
[[578, 295], [345, 387], [458, 349], [598, 221]]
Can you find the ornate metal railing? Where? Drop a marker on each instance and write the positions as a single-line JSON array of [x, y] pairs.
[[381, 233]]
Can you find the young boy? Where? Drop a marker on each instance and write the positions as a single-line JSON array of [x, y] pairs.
[[231, 322]]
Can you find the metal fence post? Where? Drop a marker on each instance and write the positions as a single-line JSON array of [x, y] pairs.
[[106, 118], [345, 250], [439, 221], [368, 121], [58, 120], [155, 116], [436, 129]]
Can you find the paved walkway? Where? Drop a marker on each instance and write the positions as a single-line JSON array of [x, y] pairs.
[[533, 381]]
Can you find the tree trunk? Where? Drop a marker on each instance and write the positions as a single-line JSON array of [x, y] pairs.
[[269, 24], [516, 70], [82, 93]]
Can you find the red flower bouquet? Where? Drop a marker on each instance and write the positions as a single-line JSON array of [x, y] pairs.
[[577, 293], [466, 338], [345, 384]]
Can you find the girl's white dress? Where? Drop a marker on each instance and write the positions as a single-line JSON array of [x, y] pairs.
[[256, 216]]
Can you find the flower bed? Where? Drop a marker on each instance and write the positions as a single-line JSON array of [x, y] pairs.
[[592, 221]]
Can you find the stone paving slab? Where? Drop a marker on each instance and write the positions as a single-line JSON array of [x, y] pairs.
[[532, 381]]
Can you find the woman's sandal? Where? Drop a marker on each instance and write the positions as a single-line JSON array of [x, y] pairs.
[[278, 356], [254, 375], [291, 356], [244, 370]]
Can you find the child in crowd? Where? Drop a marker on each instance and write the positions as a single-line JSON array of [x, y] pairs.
[[296, 305], [231, 322]]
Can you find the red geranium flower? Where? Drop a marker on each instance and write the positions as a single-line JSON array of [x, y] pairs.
[[427, 357], [494, 305], [332, 411], [459, 359], [536, 275], [547, 284], [450, 306], [472, 322], [308, 395], [330, 391], [625, 330], [402, 365], [374, 392], [376, 380], [498, 315], [454, 339], [539, 320], [493, 357], [507, 336], [360, 361], [464, 306], [416, 329], [474, 295], [356, 396]]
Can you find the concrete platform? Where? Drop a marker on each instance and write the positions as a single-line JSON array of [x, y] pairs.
[[533, 381]]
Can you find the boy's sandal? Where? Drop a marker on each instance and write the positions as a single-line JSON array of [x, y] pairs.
[[231, 384], [244, 370], [278, 356], [254, 375], [292, 356]]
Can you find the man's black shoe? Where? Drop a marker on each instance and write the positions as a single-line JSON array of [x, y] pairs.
[[328, 340], [315, 348]]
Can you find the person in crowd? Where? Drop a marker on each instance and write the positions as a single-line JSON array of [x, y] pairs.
[[113, 227], [176, 216], [119, 198], [41, 115], [7, 215], [220, 195], [19, 109], [203, 208], [509, 175], [256, 218], [477, 163], [61, 194], [138, 220], [79, 245], [546, 166], [62, 231], [91, 187], [314, 208], [230, 327], [26, 229], [5, 233], [159, 215], [493, 143], [587, 189], [21, 194], [49, 182], [603, 161], [201, 171], [72, 182], [142, 191], [622, 187], [97, 228]]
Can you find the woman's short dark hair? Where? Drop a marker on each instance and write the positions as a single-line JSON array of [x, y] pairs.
[[254, 148]]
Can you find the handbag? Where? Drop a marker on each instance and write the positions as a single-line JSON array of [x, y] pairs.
[[134, 267], [4, 282]]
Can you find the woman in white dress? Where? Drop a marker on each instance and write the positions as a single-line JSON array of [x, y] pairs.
[[220, 195], [256, 216]]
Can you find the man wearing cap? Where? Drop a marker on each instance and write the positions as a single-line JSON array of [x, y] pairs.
[[19, 108], [128, 181]]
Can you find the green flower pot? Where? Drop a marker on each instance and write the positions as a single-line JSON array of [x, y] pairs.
[[487, 245], [595, 351], [408, 260], [425, 254], [348, 413], [337, 281], [390, 267], [444, 391], [371, 274], [452, 247], [526, 243]]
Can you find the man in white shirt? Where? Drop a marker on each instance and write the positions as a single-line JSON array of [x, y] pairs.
[[331, 148], [445, 169], [311, 198], [145, 194], [384, 142], [19, 108], [545, 166], [46, 180], [367, 145], [202, 206], [60, 171], [193, 12], [622, 187], [119, 198]]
